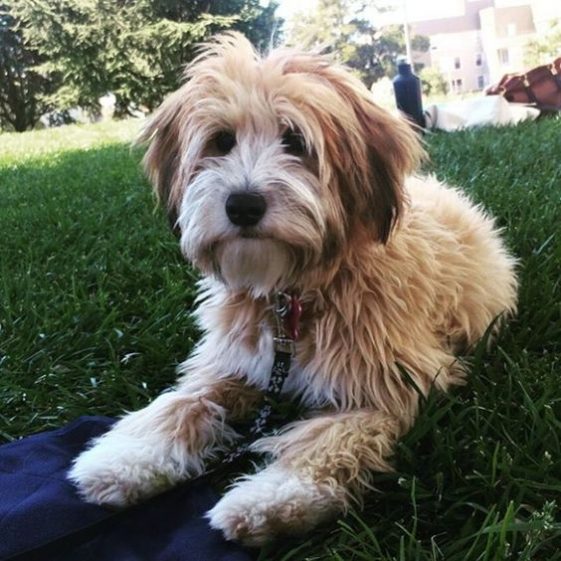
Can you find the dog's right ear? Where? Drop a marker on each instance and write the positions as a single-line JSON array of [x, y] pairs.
[[162, 134], [178, 131]]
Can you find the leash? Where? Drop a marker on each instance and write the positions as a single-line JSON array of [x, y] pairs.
[[287, 311]]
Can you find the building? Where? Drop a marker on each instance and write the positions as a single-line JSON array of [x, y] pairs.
[[478, 41], [505, 31], [456, 46]]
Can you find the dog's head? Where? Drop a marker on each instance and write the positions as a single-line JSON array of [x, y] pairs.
[[270, 167]]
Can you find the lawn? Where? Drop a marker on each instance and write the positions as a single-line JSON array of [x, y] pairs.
[[94, 316]]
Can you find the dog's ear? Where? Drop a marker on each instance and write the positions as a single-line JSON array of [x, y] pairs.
[[374, 165], [393, 152], [371, 151], [177, 131], [162, 158]]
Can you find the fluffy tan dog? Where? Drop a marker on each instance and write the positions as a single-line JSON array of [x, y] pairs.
[[282, 174]]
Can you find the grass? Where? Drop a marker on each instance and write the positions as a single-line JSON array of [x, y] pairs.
[[94, 315]]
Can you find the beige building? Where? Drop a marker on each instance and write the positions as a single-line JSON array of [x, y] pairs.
[[505, 31], [456, 46], [483, 39]]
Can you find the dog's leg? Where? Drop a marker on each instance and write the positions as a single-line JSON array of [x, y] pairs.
[[319, 465], [168, 441]]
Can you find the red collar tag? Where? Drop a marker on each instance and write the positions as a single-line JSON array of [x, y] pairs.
[[292, 318]]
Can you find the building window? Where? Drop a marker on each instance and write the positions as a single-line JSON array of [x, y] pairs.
[[457, 85], [478, 59], [480, 82], [503, 56], [511, 29], [457, 63]]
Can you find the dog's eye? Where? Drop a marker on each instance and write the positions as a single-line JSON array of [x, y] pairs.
[[294, 142], [225, 141]]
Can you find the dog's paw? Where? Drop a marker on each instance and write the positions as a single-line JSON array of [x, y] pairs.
[[117, 471], [276, 501]]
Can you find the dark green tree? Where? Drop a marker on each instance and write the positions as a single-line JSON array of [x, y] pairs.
[[341, 27], [21, 86], [135, 49]]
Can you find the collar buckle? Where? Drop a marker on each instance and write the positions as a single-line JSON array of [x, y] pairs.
[[287, 309]]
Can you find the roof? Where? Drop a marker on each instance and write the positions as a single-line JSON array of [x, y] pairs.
[[467, 22]]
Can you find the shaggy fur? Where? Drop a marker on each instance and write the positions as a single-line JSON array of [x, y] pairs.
[[394, 272]]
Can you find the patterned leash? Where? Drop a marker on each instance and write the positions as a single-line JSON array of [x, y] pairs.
[[287, 310]]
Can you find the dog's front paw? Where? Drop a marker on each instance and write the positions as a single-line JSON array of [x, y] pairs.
[[119, 471], [276, 501]]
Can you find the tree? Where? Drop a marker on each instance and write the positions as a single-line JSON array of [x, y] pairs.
[[341, 27], [21, 86], [135, 49], [545, 49], [433, 81]]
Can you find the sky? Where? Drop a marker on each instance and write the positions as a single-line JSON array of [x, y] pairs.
[[416, 9], [287, 8]]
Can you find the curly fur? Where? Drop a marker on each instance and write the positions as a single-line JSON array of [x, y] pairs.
[[396, 273]]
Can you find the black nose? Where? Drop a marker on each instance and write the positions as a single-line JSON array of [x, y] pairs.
[[245, 209]]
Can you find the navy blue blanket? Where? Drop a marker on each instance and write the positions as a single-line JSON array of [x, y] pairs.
[[42, 518]]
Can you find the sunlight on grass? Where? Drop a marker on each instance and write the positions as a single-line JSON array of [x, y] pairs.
[[18, 147]]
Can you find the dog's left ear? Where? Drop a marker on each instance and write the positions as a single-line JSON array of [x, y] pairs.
[[393, 152], [371, 150]]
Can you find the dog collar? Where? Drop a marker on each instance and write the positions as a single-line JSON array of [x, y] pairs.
[[287, 310]]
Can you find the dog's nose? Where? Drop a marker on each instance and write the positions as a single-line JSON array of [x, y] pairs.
[[245, 209]]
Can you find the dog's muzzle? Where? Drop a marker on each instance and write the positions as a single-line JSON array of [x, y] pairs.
[[245, 209]]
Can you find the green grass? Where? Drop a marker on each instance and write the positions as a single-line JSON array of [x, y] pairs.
[[94, 315]]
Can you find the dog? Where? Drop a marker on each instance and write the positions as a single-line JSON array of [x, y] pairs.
[[282, 174]]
